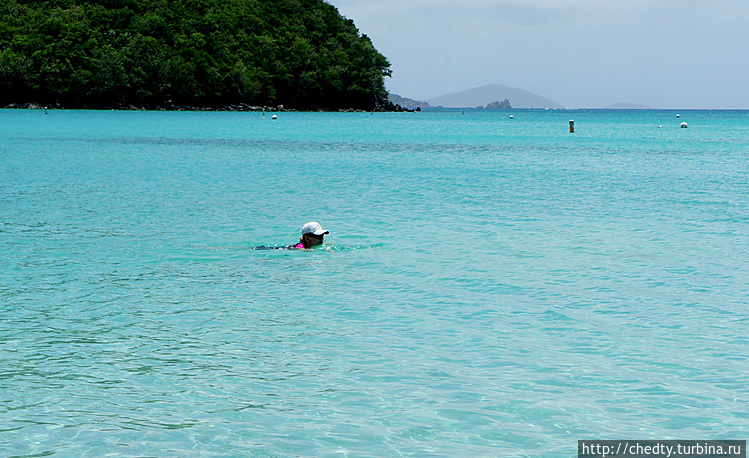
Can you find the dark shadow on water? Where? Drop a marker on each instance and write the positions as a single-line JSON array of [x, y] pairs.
[[326, 247]]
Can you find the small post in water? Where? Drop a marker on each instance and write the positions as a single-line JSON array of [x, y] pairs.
[[572, 126]]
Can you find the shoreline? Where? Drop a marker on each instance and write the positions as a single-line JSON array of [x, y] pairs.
[[281, 108], [241, 107]]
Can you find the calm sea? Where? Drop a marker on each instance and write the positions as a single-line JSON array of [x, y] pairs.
[[490, 286]]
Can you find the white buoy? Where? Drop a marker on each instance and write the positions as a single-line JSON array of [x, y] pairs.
[[274, 117], [512, 117], [684, 125], [678, 115]]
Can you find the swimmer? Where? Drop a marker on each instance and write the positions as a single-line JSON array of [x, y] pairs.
[[312, 236]]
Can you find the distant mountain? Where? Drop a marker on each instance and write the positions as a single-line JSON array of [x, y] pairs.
[[484, 95], [629, 106], [405, 102]]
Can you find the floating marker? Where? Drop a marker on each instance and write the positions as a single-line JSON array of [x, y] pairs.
[[684, 125], [274, 117], [572, 126], [512, 117]]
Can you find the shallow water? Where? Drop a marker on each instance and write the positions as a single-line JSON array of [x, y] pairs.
[[490, 287]]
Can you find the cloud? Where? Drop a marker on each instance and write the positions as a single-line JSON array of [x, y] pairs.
[[577, 52], [528, 12]]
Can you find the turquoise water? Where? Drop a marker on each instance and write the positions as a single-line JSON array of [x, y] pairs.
[[490, 286]]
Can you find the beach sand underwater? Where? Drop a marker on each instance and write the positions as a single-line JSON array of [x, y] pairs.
[[489, 287]]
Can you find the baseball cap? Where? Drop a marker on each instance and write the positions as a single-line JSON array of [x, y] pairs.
[[313, 228]]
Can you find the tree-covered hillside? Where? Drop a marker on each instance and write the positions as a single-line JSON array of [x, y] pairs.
[[168, 53]]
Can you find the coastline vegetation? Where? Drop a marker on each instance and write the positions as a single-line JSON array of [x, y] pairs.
[[174, 54]]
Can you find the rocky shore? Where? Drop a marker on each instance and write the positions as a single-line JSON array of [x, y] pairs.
[[388, 107]]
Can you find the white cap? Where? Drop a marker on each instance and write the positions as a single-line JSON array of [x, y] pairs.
[[313, 228]]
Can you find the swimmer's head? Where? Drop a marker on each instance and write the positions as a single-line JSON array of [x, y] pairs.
[[313, 234], [313, 228]]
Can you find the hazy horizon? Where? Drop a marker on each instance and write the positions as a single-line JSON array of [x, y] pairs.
[[579, 53]]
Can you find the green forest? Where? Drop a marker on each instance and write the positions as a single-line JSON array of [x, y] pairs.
[[168, 54]]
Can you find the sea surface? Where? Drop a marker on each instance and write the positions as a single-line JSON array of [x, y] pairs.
[[490, 286]]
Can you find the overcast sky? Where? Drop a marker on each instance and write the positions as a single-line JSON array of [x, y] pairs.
[[578, 53]]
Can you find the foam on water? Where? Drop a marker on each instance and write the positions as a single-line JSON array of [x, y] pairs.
[[490, 287]]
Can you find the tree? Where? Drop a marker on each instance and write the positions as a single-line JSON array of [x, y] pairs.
[[157, 53]]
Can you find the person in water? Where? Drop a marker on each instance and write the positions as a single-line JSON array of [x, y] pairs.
[[312, 236]]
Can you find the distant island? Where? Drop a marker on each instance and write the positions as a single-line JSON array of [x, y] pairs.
[[484, 95], [405, 102], [497, 105], [208, 54], [629, 106], [411, 104], [497, 97]]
